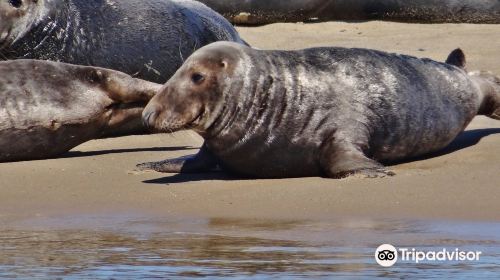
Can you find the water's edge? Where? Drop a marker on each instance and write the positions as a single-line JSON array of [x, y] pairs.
[[141, 248]]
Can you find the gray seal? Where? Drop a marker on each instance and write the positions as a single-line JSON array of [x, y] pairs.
[[146, 39], [321, 111], [257, 12], [47, 108]]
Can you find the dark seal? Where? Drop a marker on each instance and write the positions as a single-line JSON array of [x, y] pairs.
[[146, 39], [47, 108], [320, 111], [256, 12]]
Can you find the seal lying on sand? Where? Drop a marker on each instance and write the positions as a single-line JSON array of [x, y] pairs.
[[47, 108], [147, 39], [321, 111], [256, 12]]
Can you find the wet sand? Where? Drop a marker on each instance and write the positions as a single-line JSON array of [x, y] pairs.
[[97, 179]]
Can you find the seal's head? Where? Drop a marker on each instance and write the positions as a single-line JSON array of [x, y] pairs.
[[17, 17], [194, 96]]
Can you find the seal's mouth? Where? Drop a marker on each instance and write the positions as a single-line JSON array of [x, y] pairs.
[[196, 122], [4, 35], [168, 125], [171, 126], [4, 40]]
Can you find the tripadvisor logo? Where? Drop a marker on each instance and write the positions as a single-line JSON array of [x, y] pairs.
[[387, 255]]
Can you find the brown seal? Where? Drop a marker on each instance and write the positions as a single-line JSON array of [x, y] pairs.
[[320, 111], [47, 108]]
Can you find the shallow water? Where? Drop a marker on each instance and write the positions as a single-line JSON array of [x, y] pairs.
[[244, 249]]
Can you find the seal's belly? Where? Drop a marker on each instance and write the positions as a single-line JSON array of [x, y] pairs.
[[280, 159]]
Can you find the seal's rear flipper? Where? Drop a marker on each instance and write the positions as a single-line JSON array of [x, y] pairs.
[[457, 58], [489, 84]]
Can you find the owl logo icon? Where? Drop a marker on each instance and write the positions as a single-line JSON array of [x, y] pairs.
[[386, 255]]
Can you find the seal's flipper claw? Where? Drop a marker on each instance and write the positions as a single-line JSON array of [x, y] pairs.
[[186, 164], [165, 166], [367, 173]]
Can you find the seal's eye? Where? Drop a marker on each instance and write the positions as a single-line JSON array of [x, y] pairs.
[[16, 3], [197, 78]]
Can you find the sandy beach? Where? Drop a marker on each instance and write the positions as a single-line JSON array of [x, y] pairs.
[[98, 179]]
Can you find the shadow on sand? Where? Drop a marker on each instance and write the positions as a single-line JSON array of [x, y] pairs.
[[193, 177], [74, 154], [464, 140]]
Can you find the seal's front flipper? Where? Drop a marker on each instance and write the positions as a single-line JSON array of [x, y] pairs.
[[343, 159], [187, 164], [379, 172], [203, 161]]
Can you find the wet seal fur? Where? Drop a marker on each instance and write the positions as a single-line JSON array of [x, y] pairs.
[[258, 12], [321, 111], [47, 108], [146, 39]]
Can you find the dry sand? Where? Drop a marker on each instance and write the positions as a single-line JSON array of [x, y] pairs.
[[97, 178]]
